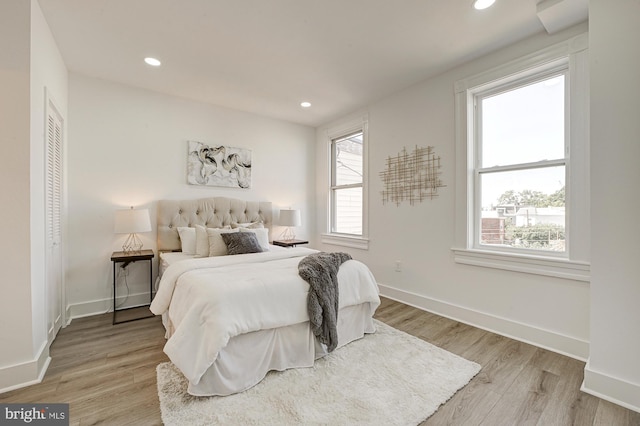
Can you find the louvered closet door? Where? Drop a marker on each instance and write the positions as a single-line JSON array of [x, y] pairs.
[[54, 221]]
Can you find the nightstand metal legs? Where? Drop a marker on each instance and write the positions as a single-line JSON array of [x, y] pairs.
[[126, 259]]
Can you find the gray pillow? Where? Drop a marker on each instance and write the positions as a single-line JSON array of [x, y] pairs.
[[241, 242]]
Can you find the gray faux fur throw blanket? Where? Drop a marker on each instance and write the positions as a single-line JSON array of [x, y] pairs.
[[320, 270]]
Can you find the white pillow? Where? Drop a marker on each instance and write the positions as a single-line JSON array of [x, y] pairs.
[[252, 225], [217, 247], [187, 239], [202, 240], [262, 234]]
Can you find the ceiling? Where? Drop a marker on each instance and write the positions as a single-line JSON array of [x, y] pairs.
[[267, 56]]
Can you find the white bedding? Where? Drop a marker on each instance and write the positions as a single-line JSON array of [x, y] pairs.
[[170, 257], [212, 300]]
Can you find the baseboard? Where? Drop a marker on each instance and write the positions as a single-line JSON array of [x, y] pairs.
[[27, 373], [102, 306], [67, 315], [612, 389], [556, 342]]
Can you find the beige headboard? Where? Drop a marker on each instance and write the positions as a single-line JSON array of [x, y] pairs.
[[210, 212]]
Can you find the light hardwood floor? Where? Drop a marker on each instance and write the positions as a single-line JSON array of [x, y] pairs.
[[107, 374]]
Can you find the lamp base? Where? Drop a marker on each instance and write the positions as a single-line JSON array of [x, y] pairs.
[[287, 234], [132, 244]]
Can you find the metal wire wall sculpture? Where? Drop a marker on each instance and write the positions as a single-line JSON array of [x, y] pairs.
[[411, 177]]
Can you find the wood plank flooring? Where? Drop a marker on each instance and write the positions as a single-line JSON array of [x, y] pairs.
[[107, 374], [519, 384]]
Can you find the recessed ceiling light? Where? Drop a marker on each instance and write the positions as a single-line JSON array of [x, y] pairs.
[[305, 104], [152, 61], [483, 4]]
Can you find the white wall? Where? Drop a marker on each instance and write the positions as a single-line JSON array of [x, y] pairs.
[[29, 61], [128, 146], [48, 73], [549, 312], [613, 371], [15, 305]]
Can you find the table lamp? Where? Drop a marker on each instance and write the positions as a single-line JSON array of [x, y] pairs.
[[131, 222], [289, 218]]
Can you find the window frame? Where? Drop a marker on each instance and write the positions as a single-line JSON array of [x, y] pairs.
[[574, 262], [334, 134], [476, 94], [334, 187]]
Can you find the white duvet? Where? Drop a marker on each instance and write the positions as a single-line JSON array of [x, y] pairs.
[[210, 300]]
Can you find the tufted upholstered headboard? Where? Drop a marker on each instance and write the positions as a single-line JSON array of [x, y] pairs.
[[212, 212]]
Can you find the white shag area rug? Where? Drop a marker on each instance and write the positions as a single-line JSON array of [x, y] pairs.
[[385, 378]]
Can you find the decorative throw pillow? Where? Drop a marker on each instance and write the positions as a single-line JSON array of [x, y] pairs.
[[262, 234], [241, 243], [187, 239], [216, 246]]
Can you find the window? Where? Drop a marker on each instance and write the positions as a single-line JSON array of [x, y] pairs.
[[520, 163], [522, 160], [347, 185]]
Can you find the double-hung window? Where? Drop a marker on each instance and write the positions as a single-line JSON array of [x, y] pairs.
[[347, 185], [522, 160], [520, 163]]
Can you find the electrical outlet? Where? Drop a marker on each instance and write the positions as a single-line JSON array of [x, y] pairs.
[[398, 266]]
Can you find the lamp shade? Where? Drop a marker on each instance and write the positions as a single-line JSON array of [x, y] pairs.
[[132, 221], [290, 218]]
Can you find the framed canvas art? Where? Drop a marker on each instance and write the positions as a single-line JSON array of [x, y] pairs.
[[218, 165]]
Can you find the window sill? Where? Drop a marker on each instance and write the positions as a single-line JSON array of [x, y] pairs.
[[539, 265], [345, 241]]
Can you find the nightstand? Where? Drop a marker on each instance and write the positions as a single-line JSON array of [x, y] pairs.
[[126, 259], [289, 243]]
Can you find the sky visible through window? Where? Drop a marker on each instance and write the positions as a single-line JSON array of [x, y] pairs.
[[523, 125]]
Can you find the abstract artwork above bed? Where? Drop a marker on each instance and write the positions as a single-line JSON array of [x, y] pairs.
[[218, 165]]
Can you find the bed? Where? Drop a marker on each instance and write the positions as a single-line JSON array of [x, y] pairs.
[[230, 319]]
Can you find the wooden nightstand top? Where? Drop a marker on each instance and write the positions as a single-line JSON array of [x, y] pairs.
[[289, 243], [120, 256]]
